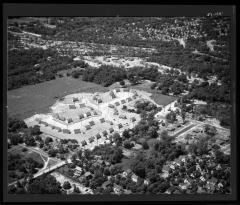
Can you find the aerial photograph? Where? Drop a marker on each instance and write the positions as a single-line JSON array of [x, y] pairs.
[[119, 105]]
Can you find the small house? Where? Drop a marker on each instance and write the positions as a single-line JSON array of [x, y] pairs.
[[126, 89], [82, 105], [69, 120], [88, 114], [111, 130], [118, 90], [91, 139], [104, 133], [122, 116], [84, 143], [102, 120], [117, 103], [88, 127], [129, 99], [91, 123], [120, 125], [123, 101], [112, 94], [72, 107], [98, 136], [99, 100], [81, 116], [111, 105], [66, 131], [62, 118], [75, 99], [45, 123], [133, 119], [77, 131]]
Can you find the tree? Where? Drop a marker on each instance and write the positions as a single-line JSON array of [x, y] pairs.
[[15, 138], [48, 140], [145, 145], [117, 156], [76, 189], [106, 171], [171, 117], [127, 144], [29, 140], [210, 130], [67, 185], [35, 130], [122, 83], [87, 154], [45, 184], [80, 154]]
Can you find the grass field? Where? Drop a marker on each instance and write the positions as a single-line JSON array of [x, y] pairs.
[[156, 95], [27, 154], [28, 100]]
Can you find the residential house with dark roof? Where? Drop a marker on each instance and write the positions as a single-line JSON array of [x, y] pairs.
[[69, 120], [82, 105], [120, 125], [129, 99], [88, 114], [91, 123], [102, 120], [111, 130], [72, 107], [104, 133], [88, 127], [77, 131], [117, 103], [98, 136], [75, 99], [81, 116], [123, 101], [66, 131]]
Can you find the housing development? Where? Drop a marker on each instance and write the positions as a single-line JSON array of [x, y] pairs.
[[119, 105]]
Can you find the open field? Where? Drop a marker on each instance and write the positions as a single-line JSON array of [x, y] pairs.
[[26, 101], [27, 154], [156, 95]]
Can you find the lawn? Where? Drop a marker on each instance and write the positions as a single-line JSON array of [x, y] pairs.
[[156, 95], [126, 162], [30, 99], [51, 163]]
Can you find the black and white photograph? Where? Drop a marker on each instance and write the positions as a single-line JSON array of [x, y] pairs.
[[119, 105]]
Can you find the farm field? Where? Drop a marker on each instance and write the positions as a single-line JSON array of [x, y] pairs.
[[28, 100]]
